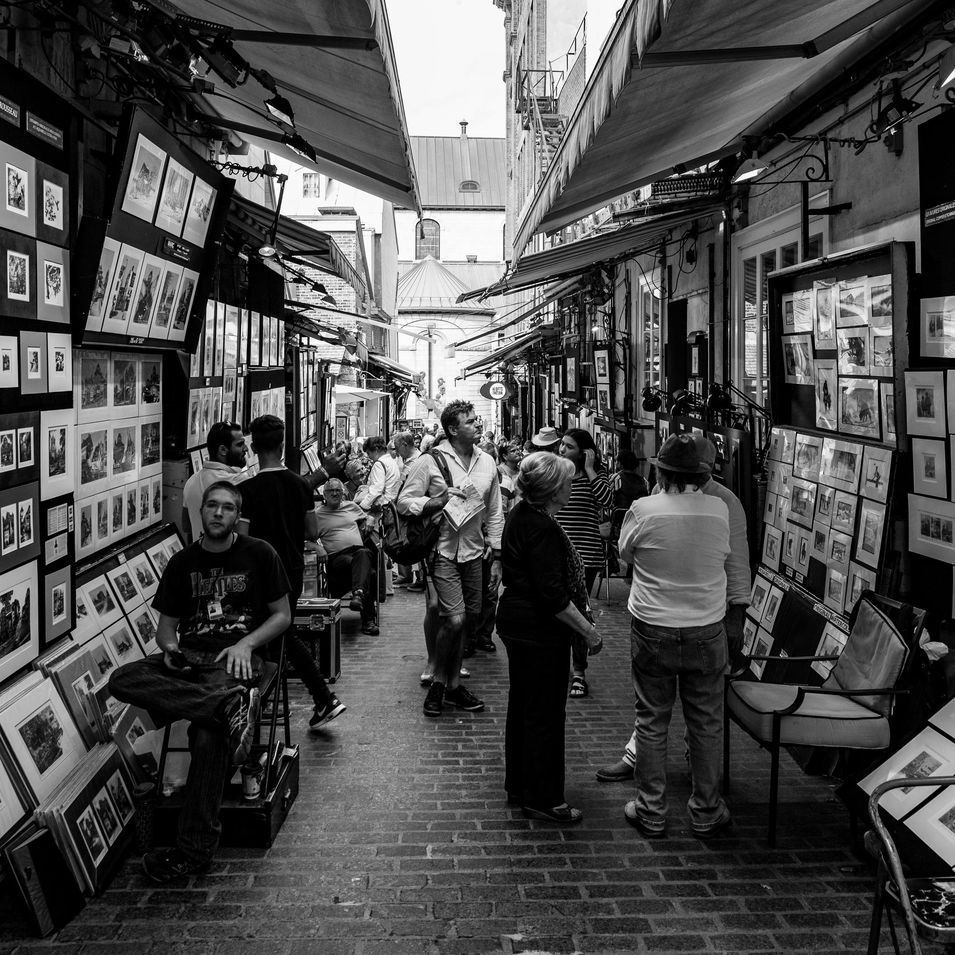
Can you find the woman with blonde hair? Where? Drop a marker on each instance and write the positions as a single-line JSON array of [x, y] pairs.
[[543, 608]]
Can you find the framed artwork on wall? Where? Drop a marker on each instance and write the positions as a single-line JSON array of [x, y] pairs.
[[871, 532], [59, 362], [930, 467], [840, 464], [103, 284], [58, 603], [570, 385], [145, 177], [925, 403], [120, 301], [932, 528], [53, 284], [18, 210], [937, 327], [56, 453], [876, 470], [167, 291], [52, 205], [859, 407], [19, 624]]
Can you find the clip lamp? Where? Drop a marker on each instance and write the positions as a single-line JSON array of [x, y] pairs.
[[651, 399], [749, 169], [946, 68], [281, 109]]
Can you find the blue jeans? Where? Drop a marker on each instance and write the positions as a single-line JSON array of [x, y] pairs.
[[166, 696], [693, 659]]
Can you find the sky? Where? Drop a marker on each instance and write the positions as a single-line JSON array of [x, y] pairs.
[[450, 57]]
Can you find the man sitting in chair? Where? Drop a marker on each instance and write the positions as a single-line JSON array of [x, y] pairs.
[[220, 600], [340, 526]]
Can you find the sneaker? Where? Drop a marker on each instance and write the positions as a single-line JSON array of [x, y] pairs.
[[619, 772], [464, 673], [418, 587], [242, 713], [645, 830], [325, 714], [464, 699], [370, 628], [434, 701], [487, 646], [356, 602], [165, 865], [711, 832]]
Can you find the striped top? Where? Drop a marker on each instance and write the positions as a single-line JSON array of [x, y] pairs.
[[580, 517]]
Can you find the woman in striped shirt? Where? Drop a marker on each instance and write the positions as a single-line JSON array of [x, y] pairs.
[[580, 519]]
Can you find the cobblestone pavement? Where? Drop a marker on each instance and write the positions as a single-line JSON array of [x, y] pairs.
[[401, 841]]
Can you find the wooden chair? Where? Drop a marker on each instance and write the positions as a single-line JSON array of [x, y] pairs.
[[850, 710], [926, 906]]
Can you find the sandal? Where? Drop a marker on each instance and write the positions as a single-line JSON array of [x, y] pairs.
[[578, 688], [562, 814]]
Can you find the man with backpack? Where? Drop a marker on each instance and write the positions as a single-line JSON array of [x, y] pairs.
[[459, 481]]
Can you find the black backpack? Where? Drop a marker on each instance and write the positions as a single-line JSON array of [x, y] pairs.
[[408, 540]]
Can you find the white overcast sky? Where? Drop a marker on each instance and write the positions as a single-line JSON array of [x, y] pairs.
[[450, 56]]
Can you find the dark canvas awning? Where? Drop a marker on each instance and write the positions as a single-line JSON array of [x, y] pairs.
[[392, 368], [297, 241], [680, 83], [333, 61], [510, 352]]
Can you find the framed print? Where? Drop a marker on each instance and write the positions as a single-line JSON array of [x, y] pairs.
[[117, 513], [57, 453], [604, 403], [124, 583], [8, 450], [784, 477], [930, 467], [94, 457], [145, 508], [58, 613], [871, 530], [230, 349], [789, 314], [602, 365], [770, 510], [797, 359], [790, 539], [887, 399], [19, 618], [59, 362], [819, 542], [101, 602], [761, 588], [12, 809], [144, 575], [925, 403], [807, 456], [860, 579], [762, 647], [124, 459], [84, 527], [155, 492], [787, 445], [932, 528], [844, 512], [803, 543], [772, 547], [124, 380], [121, 641], [145, 178], [853, 347], [859, 407], [937, 327], [824, 314], [199, 212], [26, 521], [17, 194], [853, 304], [25, 447], [881, 357], [774, 600], [9, 362], [174, 198], [52, 205], [834, 594], [150, 446], [92, 376], [18, 287], [880, 301], [209, 337], [803, 317], [43, 738], [167, 290], [570, 383], [33, 363], [183, 309], [158, 558], [120, 302], [53, 284], [750, 629], [934, 824], [102, 284], [840, 549], [831, 644], [132, 507], [929, 754], [802, 502], [144, 628], [18, 210], [826, 392], [876, 470], [101, 533], [150, 383], [255, 347], [840, 464], [145, 296]]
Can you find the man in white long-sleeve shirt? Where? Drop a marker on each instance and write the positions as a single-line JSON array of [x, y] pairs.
[[384, 477], [738, 587], [678, 542], [455, 566]]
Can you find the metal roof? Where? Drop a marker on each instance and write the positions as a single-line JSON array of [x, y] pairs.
[[429, 286], [442, 163]]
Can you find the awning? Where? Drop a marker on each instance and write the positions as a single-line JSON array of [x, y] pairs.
[[295, 240], [558, 291], [576, 257], [333, 61], [679, 83], [508, 352], [348, 393], [399, 372]]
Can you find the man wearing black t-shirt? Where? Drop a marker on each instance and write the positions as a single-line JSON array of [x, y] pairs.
[[220, 600], [277, 507]]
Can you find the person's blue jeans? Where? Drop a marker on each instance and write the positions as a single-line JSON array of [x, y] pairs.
[[166, 696], [692, 659]]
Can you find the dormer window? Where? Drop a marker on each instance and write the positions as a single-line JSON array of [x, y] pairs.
[[469, 185]]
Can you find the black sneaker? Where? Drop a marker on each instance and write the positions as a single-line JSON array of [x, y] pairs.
[[370, 628], [434, 701], [464, 699], [325, 714], [241, 713], [357, 601], [487, 645], [165, 865]]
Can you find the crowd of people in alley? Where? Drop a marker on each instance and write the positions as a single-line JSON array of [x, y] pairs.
[[507, 538]]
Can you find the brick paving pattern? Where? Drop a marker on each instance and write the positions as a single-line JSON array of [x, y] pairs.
[[401, 841]]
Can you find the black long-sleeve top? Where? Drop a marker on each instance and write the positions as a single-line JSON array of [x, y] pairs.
[[536, 579]]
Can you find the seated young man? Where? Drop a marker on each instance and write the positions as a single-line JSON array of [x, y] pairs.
[[340, 525], [220, 600]]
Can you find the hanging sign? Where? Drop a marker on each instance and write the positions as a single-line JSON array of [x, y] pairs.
[[495, 390]]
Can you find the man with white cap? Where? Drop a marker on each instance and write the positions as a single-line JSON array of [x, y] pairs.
[[679, 544], [738, 588]]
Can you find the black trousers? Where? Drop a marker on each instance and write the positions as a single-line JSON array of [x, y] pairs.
[[534, 732], [351, 569], [579, 646]]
